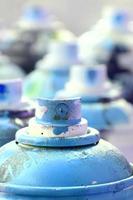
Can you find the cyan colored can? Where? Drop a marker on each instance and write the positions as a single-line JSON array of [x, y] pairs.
[[52, 72], [14, 113], [69, 164], [102, 102]]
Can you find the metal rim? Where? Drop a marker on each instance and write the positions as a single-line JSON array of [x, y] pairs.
[[116, 186], [91, 138]]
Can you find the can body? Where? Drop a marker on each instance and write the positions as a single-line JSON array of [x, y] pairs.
[[32, 160]]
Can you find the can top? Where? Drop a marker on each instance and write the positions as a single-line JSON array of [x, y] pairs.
[[90, 82], [116, 17], [34, 13], [59, 112], [91, 76], [62, 54], [58, 123], [36, 17]]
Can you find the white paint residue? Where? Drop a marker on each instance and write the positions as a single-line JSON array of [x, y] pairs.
[[40, 111]]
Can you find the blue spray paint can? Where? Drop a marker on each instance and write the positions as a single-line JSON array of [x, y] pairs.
[[59, 157]]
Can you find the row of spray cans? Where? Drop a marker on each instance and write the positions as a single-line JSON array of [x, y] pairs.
[[55, 154]]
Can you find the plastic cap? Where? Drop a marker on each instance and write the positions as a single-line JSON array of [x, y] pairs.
[[89, 75], [58, 112], [34, 13], [67, 51]]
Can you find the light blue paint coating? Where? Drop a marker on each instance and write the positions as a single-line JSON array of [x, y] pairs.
[[72, 194], [59, 130], [59, 112], [8, 130], [92, 137], [89, 172], [70, 168]]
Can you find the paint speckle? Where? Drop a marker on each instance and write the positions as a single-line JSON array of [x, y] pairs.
[[60, 130]]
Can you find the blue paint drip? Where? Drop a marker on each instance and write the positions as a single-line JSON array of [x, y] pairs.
[[59, 130]]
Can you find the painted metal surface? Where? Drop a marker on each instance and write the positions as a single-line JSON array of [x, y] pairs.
[[91, 170]]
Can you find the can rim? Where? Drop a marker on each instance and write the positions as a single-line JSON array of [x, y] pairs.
[[90, 138], [115, 186]]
